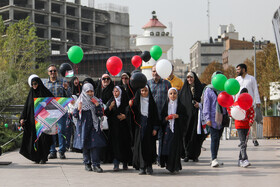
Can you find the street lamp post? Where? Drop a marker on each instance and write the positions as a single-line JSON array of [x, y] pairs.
[[265, 110], [255, 65]]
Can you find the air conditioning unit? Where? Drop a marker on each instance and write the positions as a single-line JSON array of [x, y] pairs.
[[157, 33], [152, 34], [167, 33], [162, 33]]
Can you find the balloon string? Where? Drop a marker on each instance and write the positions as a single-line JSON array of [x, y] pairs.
[[131, 107], [134, 115]]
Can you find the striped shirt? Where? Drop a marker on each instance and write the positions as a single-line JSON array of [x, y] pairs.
[[159, 91], [57, 88]]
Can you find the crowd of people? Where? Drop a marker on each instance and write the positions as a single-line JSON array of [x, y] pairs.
[[114, 123]]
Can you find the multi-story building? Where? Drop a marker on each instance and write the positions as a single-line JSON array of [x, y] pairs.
[[202, 53], [66, 23], [237, 51]]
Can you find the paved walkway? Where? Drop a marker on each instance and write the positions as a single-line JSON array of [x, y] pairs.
[[264, 172]]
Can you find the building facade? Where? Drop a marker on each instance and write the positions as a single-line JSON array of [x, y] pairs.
[[202, 53], [66, 23], [237, 51]]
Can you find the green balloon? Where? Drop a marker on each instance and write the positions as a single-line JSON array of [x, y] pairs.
[[232, 86], [6, 125], [218, 81], [156, 52], [75, 54]]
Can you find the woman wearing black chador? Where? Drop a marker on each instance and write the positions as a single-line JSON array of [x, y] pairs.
[[31, 149]]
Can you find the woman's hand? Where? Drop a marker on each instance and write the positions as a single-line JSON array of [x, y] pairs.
[[113, 103], [175, 116], [80, 106], [196, 105], [130, 103], [121, 116]]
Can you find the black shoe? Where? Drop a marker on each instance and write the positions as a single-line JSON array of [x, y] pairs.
[[52, 156], [256, 143], [62, 155], [186, 159], [97, 169], [142, 171], [150, 170], [125, 167], [195, 160], [88, 167], [42, 162]]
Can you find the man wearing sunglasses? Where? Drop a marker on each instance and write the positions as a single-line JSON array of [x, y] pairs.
[[59, 88]]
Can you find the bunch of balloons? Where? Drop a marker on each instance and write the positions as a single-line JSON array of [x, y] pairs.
[[231, 87]]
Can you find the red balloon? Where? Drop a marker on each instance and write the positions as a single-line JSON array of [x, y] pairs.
[[225, 100], [114, 65], [245, 101], [136, 61]]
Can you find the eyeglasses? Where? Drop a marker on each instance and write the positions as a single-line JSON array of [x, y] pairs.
[[52, 71], [105, 79], [34, 83]]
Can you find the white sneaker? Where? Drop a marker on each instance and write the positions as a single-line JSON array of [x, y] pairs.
[[240, 163], [246, 163], [214, 163]]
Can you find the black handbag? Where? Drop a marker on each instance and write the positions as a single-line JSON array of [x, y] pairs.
[[226, 120]]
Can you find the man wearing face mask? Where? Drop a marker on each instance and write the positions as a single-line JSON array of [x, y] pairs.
[[59, 88], [247, 81]]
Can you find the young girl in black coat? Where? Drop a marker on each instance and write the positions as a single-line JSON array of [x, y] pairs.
[[119, 135], [173, 119], [145, 122]]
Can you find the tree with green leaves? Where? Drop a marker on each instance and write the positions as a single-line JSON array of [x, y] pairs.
[[20, 50], [267, 69]]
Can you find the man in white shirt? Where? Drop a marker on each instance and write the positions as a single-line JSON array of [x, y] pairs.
[[247, 81]]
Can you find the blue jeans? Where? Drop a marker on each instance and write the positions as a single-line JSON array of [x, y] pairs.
[[61, 136], [92, 156], [215, 141]]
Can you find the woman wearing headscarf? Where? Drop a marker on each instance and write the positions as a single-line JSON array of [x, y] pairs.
[[119, 134], [124, 82], [190, 96], [104, 89], [173, 117], [89, 136], [75, 86], [27, 121], [145, 122]]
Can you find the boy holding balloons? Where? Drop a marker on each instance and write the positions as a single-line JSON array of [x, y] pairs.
[[243, 122]]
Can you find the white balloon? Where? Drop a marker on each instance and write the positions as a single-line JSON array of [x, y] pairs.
[[30, 78], [164, 68], [238, 113]]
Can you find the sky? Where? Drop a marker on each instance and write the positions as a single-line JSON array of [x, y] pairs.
[[190, 21]]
